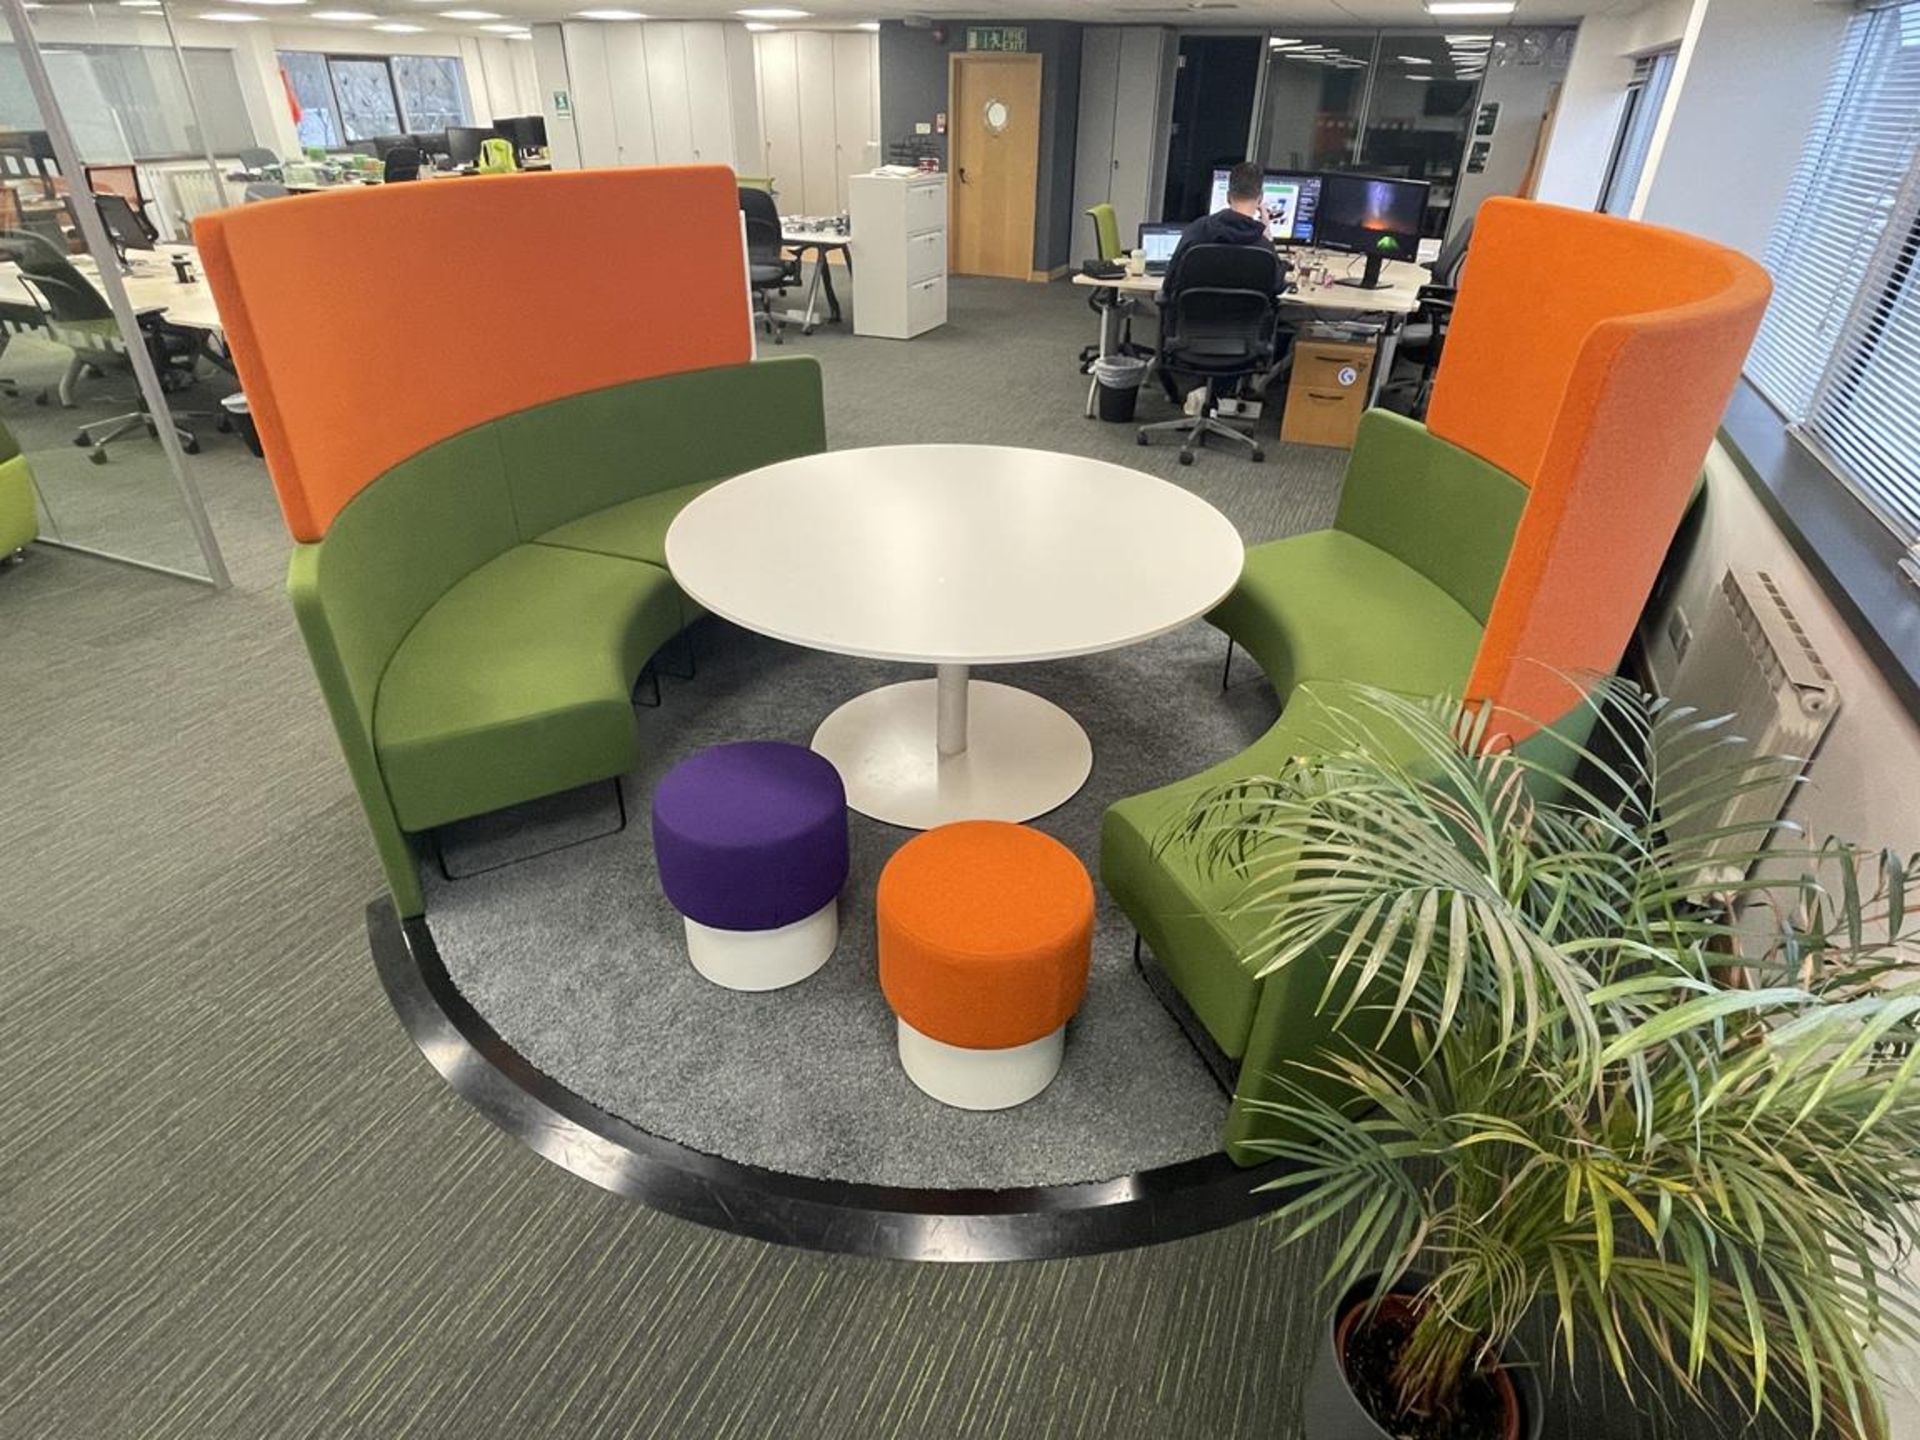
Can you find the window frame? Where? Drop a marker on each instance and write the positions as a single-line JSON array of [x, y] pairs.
[[385, 62]]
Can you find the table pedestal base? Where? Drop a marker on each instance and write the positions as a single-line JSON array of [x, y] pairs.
[[1017, 755]]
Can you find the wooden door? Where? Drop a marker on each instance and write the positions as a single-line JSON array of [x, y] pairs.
[[994, 118], [813, 60]]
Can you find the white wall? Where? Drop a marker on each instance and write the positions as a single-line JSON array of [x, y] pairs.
[[1746, 87], [1595, 93], [1524, 93], [1751, 77]]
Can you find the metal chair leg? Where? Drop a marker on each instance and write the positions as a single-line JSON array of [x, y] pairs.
[[1226, 670], [651, 676], [440, 854]]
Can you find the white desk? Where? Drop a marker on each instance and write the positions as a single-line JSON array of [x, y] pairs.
[[152, 287], [822, 243], [954, 556], [1397, 298]]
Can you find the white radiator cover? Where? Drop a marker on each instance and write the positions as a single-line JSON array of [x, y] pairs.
[[1748, 657]]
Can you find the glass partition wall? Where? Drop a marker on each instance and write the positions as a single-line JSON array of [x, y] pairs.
[[1386, 102], [1394, 102], [111, 367]]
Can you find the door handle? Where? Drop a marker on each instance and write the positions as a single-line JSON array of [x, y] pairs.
[[962, 172]]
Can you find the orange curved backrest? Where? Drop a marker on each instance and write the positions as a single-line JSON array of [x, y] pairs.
[[1591, 358], [367, 324]]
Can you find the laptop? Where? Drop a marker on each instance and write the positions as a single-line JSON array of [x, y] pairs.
[[1158, 242]]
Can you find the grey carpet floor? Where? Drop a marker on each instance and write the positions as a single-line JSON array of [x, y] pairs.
[[579, 962], [577, 959], [236, 1204]]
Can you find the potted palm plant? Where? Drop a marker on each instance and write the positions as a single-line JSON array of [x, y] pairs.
[[1668, 1105]]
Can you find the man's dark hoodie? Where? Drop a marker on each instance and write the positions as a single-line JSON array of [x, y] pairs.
[[1223, 227]]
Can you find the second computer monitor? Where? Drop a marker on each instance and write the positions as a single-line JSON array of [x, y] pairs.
[[464, 141], [527, 132], [1291, 202], [1288, 198], [1371, 216]]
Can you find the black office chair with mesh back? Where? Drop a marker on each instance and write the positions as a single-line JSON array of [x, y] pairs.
[[769, 268], [79, 317], [1424, 336], [1219, 324]]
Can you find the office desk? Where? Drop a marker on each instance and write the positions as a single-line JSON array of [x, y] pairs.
[[1396, 299], [822, 243], [151, 289]]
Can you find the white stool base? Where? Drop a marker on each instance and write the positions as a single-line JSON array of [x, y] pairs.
[[764, 959], [980, 1079]]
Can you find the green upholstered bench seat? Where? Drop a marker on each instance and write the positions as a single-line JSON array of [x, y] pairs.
[[1331, 606], [635, 529], [1395, 597], [477, 615], [518, 682]]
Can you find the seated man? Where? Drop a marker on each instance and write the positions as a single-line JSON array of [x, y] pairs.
[[1243, 222]]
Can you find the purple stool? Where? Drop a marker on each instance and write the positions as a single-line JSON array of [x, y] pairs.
[[751, 840]]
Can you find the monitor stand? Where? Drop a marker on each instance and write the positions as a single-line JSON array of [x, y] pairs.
[[1368, 279]]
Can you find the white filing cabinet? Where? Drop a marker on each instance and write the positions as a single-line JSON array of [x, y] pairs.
[[899, 225]]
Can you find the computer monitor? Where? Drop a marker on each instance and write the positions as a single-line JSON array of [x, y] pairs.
[[383, 143], [432, 143], [1217, 192], [1291, 200], [1373, 216], [527, 132], [464, 141], [1158, 242]]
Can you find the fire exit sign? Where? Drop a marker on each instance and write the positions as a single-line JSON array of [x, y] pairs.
[[1004, 39]]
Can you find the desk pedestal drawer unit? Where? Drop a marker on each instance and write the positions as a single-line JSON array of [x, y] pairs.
[[900, 284], [1328, 392]]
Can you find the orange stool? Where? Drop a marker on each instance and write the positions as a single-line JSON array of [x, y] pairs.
[[986, 932]]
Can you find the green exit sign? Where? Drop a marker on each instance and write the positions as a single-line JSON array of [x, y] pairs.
[[1003, 39]]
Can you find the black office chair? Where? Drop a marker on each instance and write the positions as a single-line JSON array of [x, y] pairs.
[[258, 162], [1220, 324], [769, 269], [403, 163], [1424, 336], [78, 317]]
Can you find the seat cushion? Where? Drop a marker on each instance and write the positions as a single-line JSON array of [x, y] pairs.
[[985, 934], [1189, 908], [752, 835], [1329, 606], [517, 682], [634, 529]]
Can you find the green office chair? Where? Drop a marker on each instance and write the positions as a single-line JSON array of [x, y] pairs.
[[1106, 231], [1106, 246], [19, 519]]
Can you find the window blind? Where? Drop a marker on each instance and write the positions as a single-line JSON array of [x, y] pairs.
[[1839, 350]]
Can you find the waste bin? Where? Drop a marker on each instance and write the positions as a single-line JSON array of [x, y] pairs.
[[241, 420], [1119, 378]]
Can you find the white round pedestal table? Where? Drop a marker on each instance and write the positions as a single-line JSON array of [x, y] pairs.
[[954, 556]]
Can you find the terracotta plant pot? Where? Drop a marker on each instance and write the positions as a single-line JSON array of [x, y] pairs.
[[1331, 1410]]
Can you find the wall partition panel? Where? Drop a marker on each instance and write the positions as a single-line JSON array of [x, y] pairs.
[[1315, 97], [1419, 112], [74, 337]]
